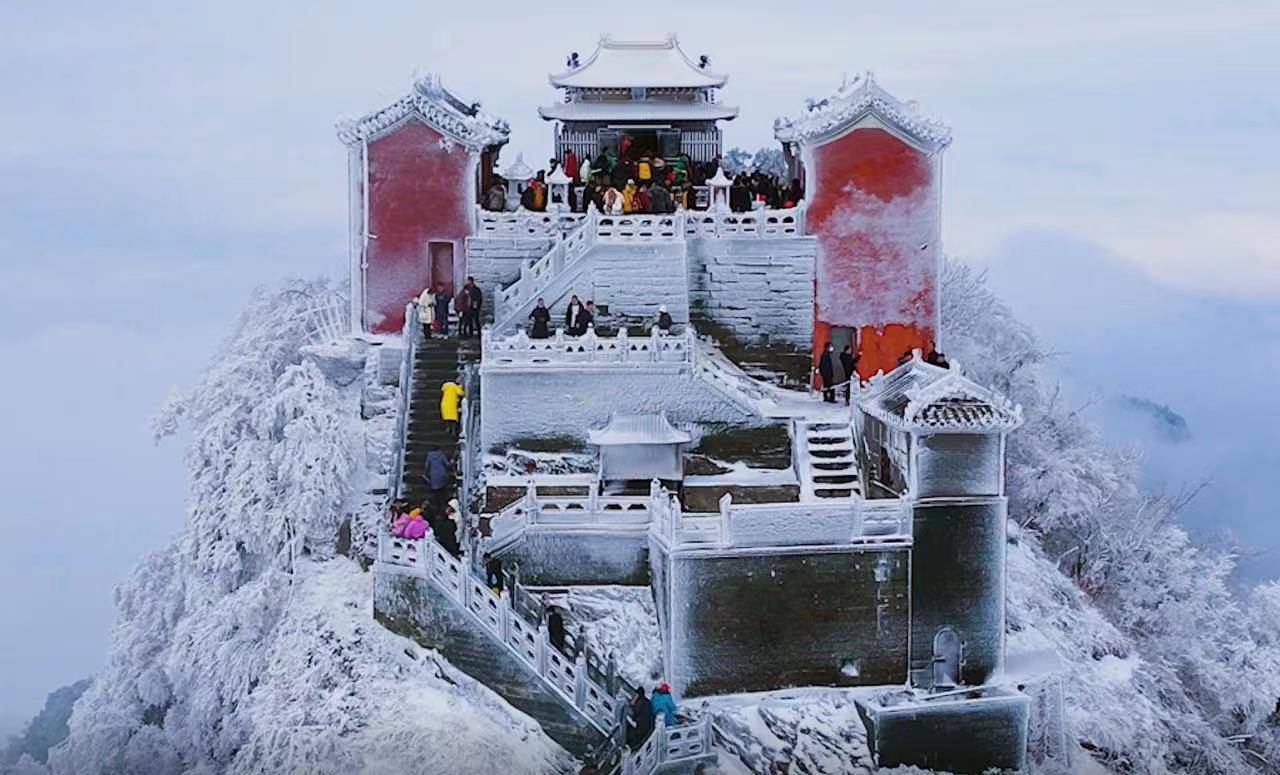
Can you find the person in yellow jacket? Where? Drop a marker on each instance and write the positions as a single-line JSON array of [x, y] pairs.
[[451, 394], [644, 170], [629, 197]]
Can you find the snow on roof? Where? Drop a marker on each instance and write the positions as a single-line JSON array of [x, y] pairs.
[[637, 429], [655, 110], [921, 397], [621, 64], [517, 170], [437, 107], [852, 102]]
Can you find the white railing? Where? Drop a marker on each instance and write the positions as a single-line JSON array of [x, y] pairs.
[[526, 223], [568, 676], [592, 510], [411, 335], [538, 275], [726, 224], [728, 378], [519, 348], [527, 641], [328, 320], [637, 227], [772, 525]]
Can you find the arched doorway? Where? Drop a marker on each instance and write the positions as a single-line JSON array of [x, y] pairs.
[[946, 659]]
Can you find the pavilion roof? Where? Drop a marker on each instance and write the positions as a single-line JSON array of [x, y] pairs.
[[429, 101], [855, 101], [620, 64], [637, 429], [923, 398]]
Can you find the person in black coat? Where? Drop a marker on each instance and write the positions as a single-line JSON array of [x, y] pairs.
[[476, 298], [639, 720], [493, 577], [541, 318], [848, 363], [827, 370], [442, 310], [555, 628]]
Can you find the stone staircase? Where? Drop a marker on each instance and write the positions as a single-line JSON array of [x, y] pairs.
[[826, 466], [435, 362]]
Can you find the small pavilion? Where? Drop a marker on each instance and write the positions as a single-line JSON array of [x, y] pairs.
[[640, 446]]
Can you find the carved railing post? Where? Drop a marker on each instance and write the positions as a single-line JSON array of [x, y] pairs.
[[542, 646], [726, 536], [504, 616], [531, 502], [580, 680]]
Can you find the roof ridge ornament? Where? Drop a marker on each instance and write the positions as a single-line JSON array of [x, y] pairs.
[[854, 100], [428, 99]]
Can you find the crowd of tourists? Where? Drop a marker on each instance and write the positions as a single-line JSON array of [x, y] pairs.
[[631, 181], [444, 523], [579, 317]]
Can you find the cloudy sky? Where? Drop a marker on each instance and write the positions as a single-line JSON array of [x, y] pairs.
[[1113, 166]]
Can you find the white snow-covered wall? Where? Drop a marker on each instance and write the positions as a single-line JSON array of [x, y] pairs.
[[759, 289], [565, 400]]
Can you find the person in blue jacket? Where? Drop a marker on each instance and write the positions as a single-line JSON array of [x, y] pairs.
[[662, 703]]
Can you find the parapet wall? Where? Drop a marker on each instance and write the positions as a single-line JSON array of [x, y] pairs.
[[760, 289], [565, 400], [759, 620]]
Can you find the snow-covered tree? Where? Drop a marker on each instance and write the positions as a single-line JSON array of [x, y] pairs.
[[246, 646]]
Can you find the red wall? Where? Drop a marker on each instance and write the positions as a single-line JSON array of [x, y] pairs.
[[873, 205], [419, 192]]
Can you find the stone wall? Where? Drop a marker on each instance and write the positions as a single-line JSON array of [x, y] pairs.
[[759, 289], [495, 262], [549, 401], [958, 577], [631, 281], [983, 733], [754, 621], [567, 556]]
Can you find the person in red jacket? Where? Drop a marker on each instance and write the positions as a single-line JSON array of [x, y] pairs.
[[571, 164]]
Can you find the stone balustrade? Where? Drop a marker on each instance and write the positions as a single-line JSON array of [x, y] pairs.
[[520, 349], [526, 223], [773, 525], [725, 224]]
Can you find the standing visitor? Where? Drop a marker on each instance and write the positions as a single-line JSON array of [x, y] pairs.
[[448, 527], [475, 298], [585, 173], [664, 322], [588, 194], [529, 197], [573, 324], [629, 197], [644, 170], [642, 198], [441, 317], [639, 720], [451, 394], [495, 199], [427, 310], [588, 316], [493, 573], [555, 628], [827, 371], [541, 318], [571, 164], [849, 364], [462, 305], [612, 201], [663, 704], [659, 199], [439, 475]]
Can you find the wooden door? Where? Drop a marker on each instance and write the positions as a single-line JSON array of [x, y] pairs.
[[441, 259]]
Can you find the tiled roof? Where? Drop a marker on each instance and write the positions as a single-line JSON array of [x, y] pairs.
[[436, 106], [851, 103], [920, 397], [621, 64]]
